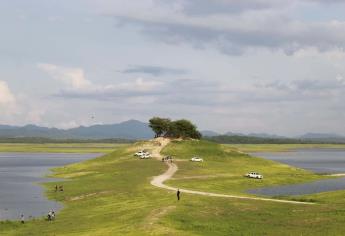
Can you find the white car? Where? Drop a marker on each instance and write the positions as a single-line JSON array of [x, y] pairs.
[[138, 154], [254, 175], [197, 159], [145, 156]]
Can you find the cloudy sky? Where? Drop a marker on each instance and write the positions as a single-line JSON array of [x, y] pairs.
[[272, 66]]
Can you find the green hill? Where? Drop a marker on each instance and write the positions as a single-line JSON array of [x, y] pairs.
[[112, 195]]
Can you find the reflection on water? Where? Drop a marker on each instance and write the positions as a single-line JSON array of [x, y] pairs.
[[20, 174]]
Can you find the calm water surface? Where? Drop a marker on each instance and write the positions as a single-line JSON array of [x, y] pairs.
[[319, 160], [20, 175], [316, 160]]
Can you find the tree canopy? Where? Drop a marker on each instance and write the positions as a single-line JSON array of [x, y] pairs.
[[164, 127]]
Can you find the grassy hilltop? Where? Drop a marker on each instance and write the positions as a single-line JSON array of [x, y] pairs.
[[224, 167], [112, 195]]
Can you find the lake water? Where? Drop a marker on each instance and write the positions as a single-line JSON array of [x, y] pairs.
[[20, 175], [300, 189], [316, 160]]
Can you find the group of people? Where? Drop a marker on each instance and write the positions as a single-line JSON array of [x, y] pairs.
[[51, 215], [168, 159], [59, 188]]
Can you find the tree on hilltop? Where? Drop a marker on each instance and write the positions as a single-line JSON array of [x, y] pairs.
[[174, 129], [160, 126]]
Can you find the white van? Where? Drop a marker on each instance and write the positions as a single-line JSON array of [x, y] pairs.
[[254, 175]]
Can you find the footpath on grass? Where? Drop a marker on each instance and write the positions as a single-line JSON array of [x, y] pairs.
[[158, 181]]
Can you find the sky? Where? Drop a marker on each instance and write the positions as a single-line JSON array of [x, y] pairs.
[[249, 66]]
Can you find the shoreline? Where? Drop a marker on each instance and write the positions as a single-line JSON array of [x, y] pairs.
[[40, 194]]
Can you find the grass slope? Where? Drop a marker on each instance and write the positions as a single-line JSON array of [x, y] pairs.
[[60, 148], [111, 195], [223, 169]]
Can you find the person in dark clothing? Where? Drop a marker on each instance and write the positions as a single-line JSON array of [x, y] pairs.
[[178, 194], [56, 188], [61, 188]]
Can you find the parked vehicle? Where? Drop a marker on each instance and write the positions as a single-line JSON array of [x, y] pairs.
[[141, 152], [145, 156], [254, 175], [197, 159]]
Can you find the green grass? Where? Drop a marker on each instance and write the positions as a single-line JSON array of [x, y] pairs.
[[223, 169], [60, 148], [250, 148], [111, 195], [118, 182]]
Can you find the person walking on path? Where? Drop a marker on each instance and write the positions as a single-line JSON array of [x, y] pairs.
[[178, 194], [22, 219]]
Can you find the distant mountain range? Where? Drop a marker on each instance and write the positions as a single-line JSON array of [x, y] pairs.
[[134, 129], [320, 135], [210, 133], [131, 129]]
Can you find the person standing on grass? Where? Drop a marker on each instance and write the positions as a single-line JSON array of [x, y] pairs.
[[178, 194], [22, 219]]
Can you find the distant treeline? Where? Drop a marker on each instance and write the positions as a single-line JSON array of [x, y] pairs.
[[48, 140], [237, 139]]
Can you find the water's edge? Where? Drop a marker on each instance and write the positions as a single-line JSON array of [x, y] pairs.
[[24, 182], [320, 161]]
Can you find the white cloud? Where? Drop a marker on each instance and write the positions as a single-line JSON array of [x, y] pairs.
[[35, 116], [80, 87], [6, 96], [340, 79], [73, 77], [333, 55], [302, 82], [139, 85], [233, 33], [69, 124], [9, 105]]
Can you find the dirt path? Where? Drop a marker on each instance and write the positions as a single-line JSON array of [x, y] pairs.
[[158, 181]]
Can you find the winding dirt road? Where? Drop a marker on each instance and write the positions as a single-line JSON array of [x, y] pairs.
[[158, 181]]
